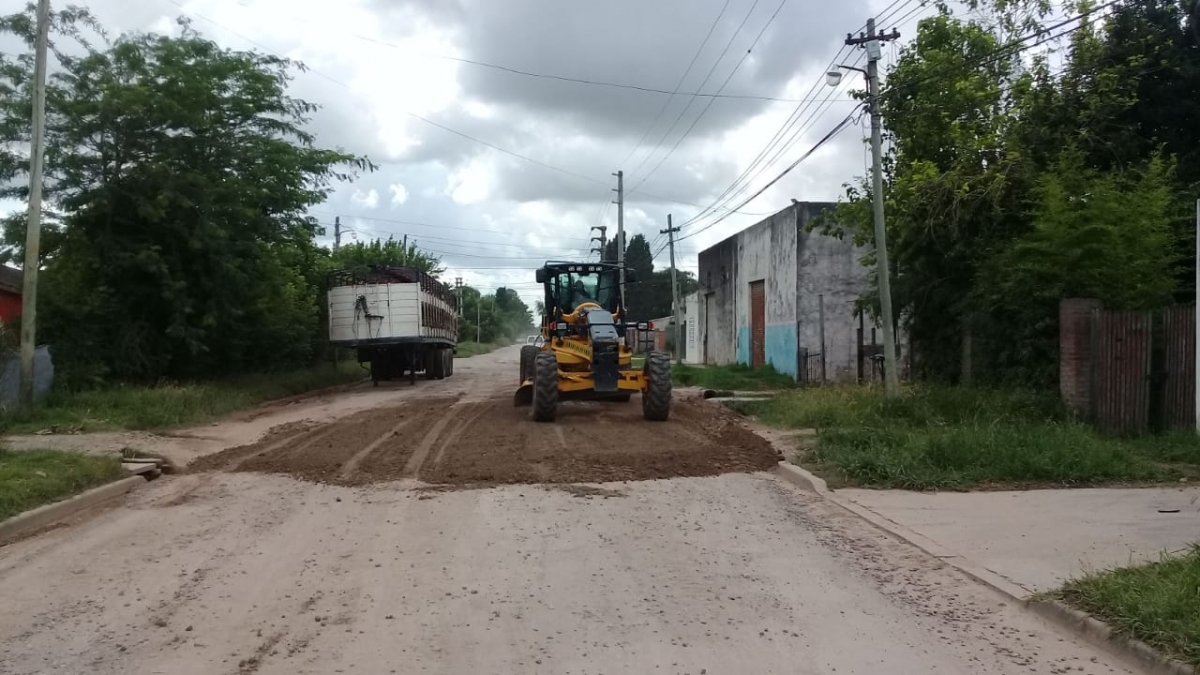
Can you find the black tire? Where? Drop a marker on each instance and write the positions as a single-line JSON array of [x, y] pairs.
[[449, 354], [374, 373], [528, 355], [656, 399], [545, 387]]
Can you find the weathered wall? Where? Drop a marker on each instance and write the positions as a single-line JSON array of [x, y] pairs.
[[717, 303], [829, 267], [692, 333], [767, 252]]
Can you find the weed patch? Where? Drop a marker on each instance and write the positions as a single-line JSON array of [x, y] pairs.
[[29, 479]]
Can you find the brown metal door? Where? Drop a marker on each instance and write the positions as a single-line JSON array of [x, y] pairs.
[[758, 323]]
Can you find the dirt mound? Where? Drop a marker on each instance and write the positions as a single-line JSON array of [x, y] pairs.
[[448, 442]]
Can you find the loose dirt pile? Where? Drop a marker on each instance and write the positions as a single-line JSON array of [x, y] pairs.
[[448, 442]]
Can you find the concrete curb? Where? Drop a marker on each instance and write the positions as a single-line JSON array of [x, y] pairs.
[[1096, 632], [1102, 635], [802, 478], [23, 523]]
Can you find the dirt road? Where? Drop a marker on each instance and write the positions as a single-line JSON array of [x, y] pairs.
[[451, 536]]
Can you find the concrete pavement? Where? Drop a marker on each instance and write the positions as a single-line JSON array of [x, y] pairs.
[[1039, 539]]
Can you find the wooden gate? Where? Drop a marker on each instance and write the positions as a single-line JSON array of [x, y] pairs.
[[1179, 368], [1121, 384], [758, 323], [1138, 368]]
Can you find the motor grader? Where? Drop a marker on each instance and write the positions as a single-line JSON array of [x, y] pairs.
[[583, 355]]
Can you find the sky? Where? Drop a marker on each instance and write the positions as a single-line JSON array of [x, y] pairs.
[[497, 171]]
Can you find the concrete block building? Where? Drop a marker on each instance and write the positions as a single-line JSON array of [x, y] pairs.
[[767, 291]]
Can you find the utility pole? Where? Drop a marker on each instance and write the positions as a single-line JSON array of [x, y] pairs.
[[33, 231], [458, 292], [603, 239], [478, 317], [670, 232], [621, 230], [337, 232], [872, 41], [404, 254]]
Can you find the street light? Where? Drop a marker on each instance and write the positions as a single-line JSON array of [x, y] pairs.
[[833, 78]]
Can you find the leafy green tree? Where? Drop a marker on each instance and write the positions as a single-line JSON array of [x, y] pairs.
[[183, 173], [390, 252]]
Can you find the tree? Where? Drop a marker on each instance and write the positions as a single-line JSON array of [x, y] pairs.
[[183, 173], [390, 252]]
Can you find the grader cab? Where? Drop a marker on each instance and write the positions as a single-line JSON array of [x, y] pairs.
[[583, 355]]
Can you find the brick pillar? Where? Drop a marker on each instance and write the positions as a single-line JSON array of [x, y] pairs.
[[1075, 352]]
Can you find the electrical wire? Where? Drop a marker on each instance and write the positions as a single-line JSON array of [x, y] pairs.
[[692, 100], [729, 77], [824, 139]]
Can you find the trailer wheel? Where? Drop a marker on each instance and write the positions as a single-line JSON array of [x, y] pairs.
[[412, 366], [545, 387], [656, 398], [374, 373], [449, 352], [435, 364]]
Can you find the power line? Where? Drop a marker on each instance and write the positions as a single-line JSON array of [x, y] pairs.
[[692, 100], [824, 139], [729, 77], [686, 72]]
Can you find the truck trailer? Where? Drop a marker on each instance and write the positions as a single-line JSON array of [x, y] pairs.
[[400, 320]]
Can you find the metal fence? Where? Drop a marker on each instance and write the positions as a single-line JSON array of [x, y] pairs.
[[1141, 370]]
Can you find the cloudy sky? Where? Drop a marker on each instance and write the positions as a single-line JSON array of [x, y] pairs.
[[497, 171]]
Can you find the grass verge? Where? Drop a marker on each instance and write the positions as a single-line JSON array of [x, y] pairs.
[[1154, 603], [29, 479], [947, 438], [736, 377], [170, 405]]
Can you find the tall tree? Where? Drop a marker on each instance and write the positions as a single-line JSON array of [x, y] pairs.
[[390, 252], [184, 172]]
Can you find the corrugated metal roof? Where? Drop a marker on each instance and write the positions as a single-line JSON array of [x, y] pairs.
[[11, 279]]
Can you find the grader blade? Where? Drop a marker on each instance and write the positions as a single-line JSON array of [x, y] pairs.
[[524, 395]]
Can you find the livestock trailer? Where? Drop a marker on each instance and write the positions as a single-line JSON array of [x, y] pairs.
[[400, 320]]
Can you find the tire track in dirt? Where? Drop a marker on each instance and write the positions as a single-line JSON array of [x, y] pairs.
[[477, 409], [422, 450]]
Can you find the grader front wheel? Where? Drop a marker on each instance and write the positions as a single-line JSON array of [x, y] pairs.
[[545, 387], [656, 399]]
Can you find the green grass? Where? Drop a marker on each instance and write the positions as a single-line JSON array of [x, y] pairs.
[[29, 479], [735, 377], [947, 438], [1155, 603], [170, 405], [465, 350]]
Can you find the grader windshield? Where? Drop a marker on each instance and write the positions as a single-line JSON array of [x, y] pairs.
[[570, 285]]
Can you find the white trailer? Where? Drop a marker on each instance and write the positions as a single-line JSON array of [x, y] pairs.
[[400, 320]]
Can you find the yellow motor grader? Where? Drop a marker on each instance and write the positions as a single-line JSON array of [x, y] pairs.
[[583, 355]]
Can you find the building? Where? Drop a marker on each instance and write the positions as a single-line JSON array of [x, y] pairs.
[[11, 283], [769, 293]]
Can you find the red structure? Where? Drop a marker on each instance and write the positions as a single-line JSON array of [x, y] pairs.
[[11, 280]]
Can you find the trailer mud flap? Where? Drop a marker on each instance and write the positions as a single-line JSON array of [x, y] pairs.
[[524, 395]]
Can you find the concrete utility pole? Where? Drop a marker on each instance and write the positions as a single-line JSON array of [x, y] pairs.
[[603, 239], [670, 232], [33, 230], [458, 292], [621, 230], [337, 232], [872, 41]]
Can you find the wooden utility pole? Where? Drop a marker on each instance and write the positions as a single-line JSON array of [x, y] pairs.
[[33, 230], [872, 41], [670, 232]]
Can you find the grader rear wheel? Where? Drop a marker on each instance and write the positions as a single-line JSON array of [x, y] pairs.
[[528, 354]]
